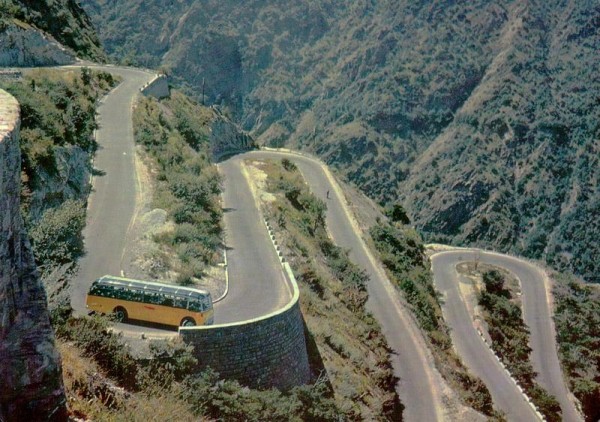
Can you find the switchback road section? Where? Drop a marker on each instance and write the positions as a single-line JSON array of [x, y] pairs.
[[417, 388], [256, 282], [478, 357], [111, 203]]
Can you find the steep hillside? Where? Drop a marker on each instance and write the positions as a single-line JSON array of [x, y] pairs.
[[65, 20], [481, 118], [30, 365]]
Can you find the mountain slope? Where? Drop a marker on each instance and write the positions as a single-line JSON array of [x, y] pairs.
[[480, 118], [65, 20]]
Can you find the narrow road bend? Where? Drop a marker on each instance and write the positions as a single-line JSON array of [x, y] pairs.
[[111, 203], [416, 387], [537, 316], [257, 284]]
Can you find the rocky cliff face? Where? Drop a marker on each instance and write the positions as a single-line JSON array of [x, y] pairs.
[[24, 46], [64, 20], [226, 137], [31, 387]]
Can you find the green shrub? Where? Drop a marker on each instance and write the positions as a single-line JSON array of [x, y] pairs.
[[56, 238], [510, 339], [288, 164], [227, 400], [188, 184]]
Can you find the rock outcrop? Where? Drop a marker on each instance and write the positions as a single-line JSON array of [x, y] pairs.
[[24, 46], [30, 369], [226, 137]]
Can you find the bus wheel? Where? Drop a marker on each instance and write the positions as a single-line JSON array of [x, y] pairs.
[[120, 314], [188, 322]]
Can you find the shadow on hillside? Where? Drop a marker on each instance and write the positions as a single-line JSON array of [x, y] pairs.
[[315, 361]]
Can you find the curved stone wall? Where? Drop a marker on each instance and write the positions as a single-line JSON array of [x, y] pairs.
[[269, 351], [30, 372]]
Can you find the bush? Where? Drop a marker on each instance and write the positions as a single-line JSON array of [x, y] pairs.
[[56, 238], [169, 361], [92, 335], [510, 339], [288, 164], [227, 400], [396, 213]]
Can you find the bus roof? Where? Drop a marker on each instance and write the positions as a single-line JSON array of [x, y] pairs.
[[151, 286]]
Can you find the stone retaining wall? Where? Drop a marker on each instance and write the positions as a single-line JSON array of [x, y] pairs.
[[261, 353]]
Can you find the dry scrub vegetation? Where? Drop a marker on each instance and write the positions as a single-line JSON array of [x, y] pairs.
[[481, 117], [346, 346], [174, 135]]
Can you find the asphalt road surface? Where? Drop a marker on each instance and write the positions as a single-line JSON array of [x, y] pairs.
[[416, 388], [256, 282], [257, 285], [112, 201], [478, 357]]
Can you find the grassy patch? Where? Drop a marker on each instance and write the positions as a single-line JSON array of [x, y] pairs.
[[174, 134]]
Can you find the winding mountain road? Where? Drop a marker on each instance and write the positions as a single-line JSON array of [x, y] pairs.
[[416, 388], [477, 355], [257, 285], [112, 202]]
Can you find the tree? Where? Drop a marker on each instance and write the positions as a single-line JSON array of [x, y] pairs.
[[494, 282], [397, 213]]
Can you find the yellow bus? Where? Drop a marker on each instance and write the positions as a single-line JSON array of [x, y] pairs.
[[148, 301]]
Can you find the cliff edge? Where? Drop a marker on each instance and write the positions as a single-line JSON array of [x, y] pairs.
[[30, 370]]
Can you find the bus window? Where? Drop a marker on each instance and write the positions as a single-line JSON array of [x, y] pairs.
[[180, 302], [132, 295], [195, 305], [153, 298], [167, 300]]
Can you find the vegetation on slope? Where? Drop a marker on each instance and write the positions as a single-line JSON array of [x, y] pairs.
[[58, 110], [105, 382], [577, 321], [510, 339], [402, 253], [480, 116], [65, 20], [346, 345], [174, 134]]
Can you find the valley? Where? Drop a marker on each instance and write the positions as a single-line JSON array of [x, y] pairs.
[[476, 118], [293, 161]]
